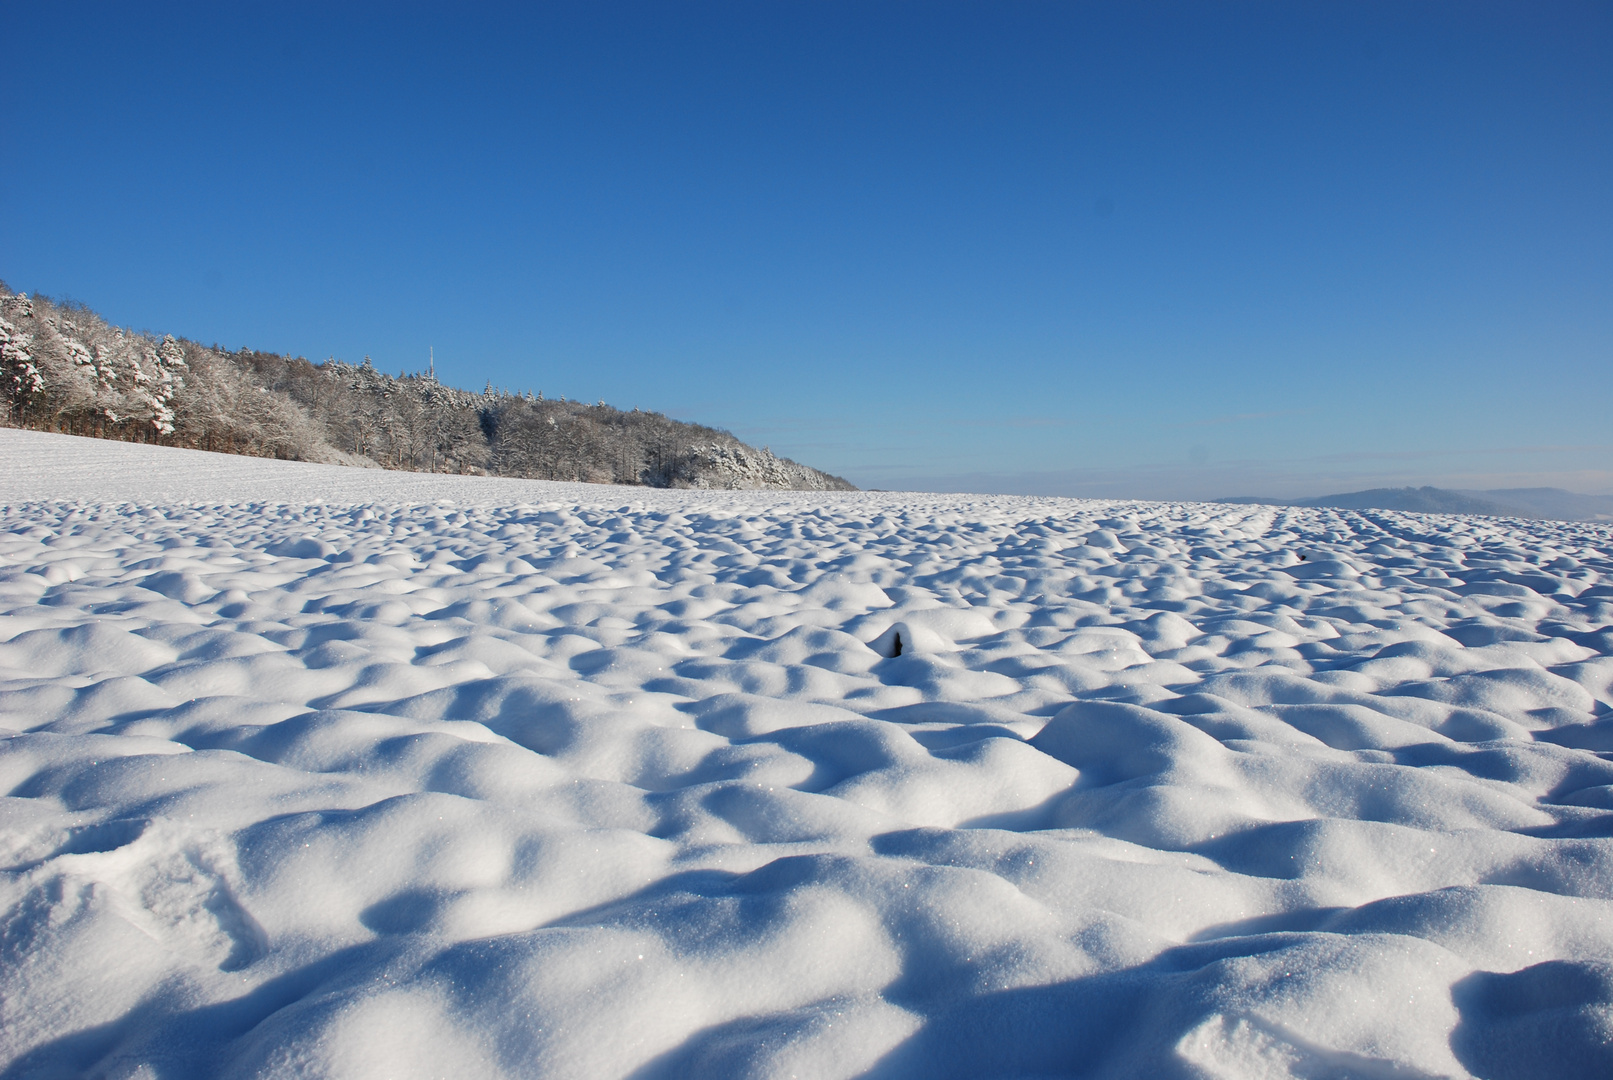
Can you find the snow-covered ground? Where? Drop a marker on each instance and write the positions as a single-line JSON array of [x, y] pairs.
[[321, 772]]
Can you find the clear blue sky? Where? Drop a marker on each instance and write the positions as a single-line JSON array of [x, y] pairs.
[[1151, 249]]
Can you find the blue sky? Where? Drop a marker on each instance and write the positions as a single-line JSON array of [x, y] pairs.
[[1146, 249]]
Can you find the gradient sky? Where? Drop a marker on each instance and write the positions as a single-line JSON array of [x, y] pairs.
[[1144, 249]]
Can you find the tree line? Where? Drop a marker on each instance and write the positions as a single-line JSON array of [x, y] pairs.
[[63, 368]]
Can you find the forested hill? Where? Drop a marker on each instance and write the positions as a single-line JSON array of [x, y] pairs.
[[66, 369]]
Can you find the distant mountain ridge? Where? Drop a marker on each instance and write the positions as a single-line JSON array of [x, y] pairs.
[[63, 368], [1544, 502]]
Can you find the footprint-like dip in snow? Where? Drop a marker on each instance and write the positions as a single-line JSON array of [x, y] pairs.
[[314, 774]]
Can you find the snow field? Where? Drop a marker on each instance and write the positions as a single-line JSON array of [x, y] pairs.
[[605, 782]]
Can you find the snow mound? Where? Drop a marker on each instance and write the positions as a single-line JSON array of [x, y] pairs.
[[317, 772]]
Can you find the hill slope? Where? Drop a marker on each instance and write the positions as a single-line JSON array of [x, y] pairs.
[[63, 368], [1548, 503]]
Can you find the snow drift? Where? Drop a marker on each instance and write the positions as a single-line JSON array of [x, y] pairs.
[[427, 776]]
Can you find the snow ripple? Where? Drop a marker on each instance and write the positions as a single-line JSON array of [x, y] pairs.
[[654, 784]]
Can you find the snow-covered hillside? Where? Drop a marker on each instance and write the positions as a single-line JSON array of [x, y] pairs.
[[63, 368], [320, 772]]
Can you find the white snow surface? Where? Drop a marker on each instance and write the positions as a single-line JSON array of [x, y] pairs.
[[322, 772]]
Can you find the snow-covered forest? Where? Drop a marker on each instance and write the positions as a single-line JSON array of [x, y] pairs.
[[66, 369]]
